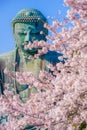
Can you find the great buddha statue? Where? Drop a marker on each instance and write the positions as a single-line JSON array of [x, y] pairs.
[[27, 25]]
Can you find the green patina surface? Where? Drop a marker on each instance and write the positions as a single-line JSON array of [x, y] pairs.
[[27, 25]]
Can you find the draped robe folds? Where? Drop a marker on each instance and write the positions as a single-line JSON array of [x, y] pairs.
[[33, 66]]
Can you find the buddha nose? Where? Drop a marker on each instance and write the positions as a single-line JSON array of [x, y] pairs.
[[28, 37]]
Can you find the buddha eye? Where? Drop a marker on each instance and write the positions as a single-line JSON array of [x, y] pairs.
[[22, 33], [36, 33]]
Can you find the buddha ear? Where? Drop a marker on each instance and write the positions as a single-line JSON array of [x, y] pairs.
[[14, 34], [15, 37], [16, 47]]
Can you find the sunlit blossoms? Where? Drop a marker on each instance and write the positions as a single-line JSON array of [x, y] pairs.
[[60, 99]]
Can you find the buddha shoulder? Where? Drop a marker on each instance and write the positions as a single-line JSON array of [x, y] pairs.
[[6, 59], [8, 55]]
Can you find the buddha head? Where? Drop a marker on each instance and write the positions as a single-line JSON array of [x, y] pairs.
[[27, 25]]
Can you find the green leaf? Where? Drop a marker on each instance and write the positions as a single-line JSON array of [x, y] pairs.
[[75, 124], [82, 125]]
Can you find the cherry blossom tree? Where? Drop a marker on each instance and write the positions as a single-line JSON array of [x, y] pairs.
[[60, 102]]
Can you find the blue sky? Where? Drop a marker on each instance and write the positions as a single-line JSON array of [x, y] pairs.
[[9, 8]]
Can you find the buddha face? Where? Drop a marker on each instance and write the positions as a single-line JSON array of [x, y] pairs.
[[28, 32]]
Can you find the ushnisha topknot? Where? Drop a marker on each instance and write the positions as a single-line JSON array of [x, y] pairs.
[[30, 15]]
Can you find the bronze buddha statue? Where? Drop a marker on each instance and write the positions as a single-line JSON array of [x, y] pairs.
[[27, 25]]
